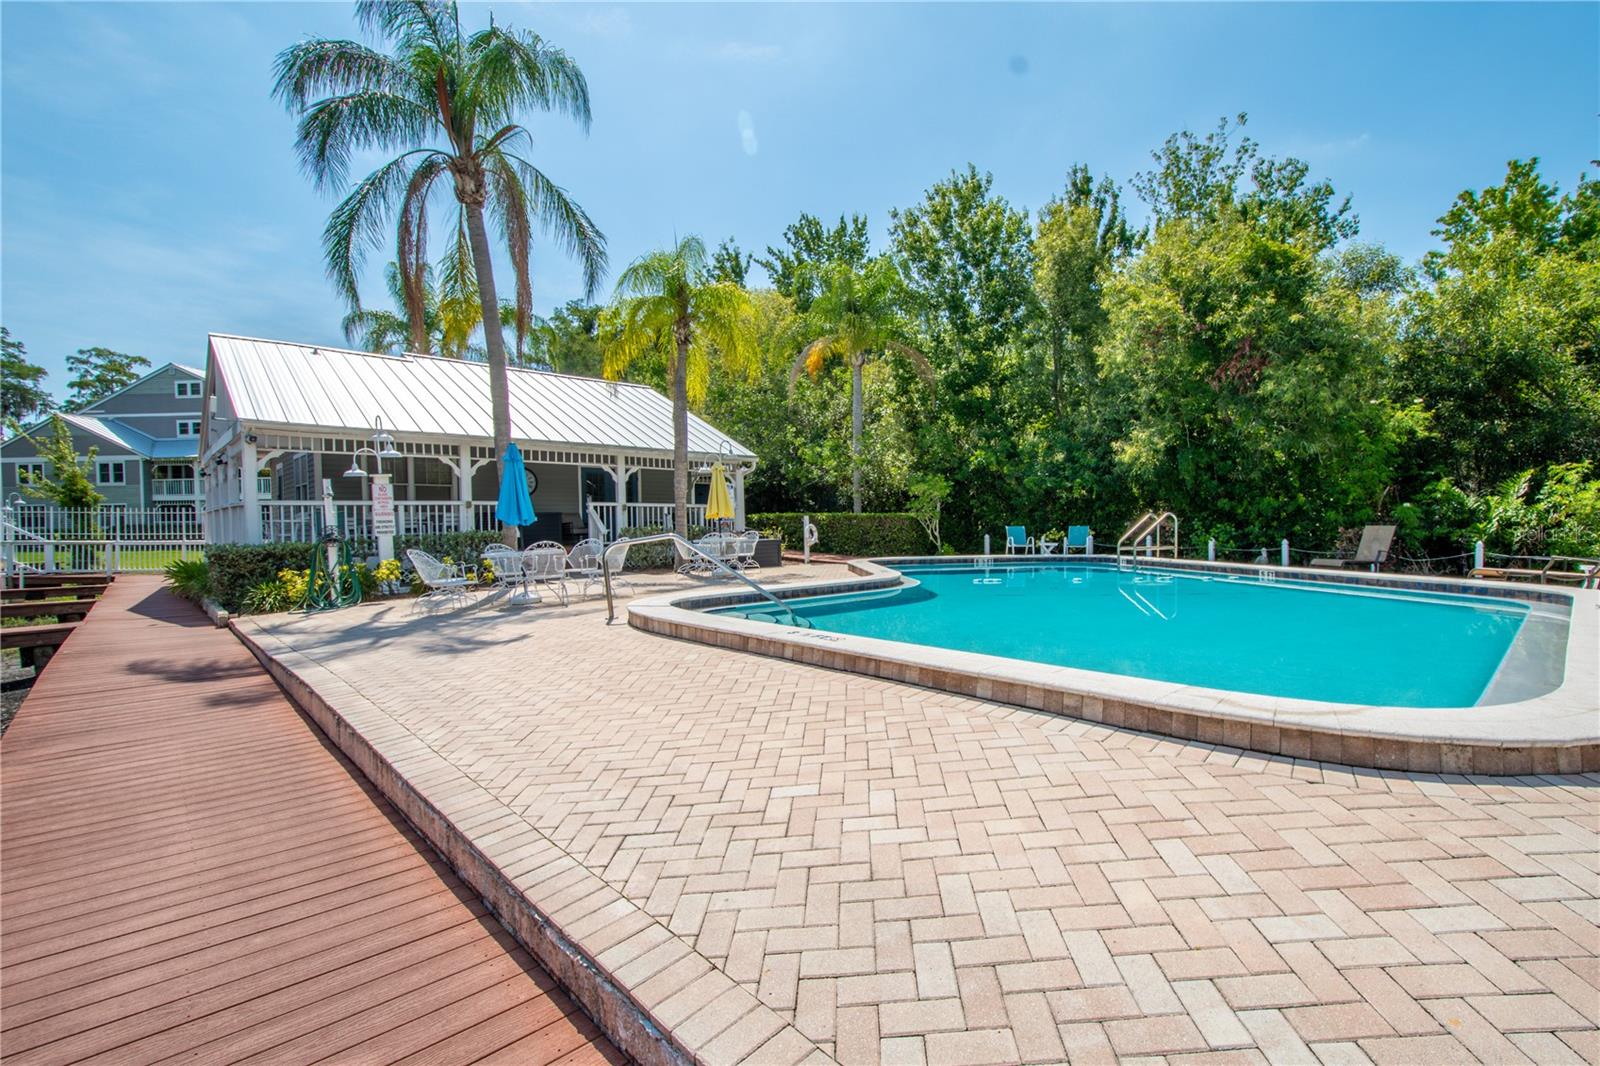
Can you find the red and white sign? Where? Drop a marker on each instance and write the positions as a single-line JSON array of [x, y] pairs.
[[382, 507]]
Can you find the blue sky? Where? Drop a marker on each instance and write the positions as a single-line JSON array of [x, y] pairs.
[[150, 193]]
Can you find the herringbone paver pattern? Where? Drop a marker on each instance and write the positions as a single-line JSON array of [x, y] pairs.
[[910, 876]]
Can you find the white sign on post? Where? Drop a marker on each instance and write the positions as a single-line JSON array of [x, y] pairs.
[[382, 506], [383, 515]]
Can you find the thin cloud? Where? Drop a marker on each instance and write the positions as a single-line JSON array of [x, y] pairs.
[[612, 22]]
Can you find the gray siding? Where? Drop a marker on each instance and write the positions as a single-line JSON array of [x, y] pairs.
[[155, 395]]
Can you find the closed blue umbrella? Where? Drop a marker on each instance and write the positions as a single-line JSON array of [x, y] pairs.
[[515, 506]]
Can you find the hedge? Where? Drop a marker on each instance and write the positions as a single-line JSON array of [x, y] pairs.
[[847, 533], [237, 568]]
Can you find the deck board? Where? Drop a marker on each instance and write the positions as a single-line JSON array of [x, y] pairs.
[[190, 873]]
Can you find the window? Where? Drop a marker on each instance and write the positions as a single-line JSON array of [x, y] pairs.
[[188, 428], [188, 388], [110, 474], [30, 473]]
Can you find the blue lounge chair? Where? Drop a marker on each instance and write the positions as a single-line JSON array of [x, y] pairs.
[[1017, 540], [1078, 538]]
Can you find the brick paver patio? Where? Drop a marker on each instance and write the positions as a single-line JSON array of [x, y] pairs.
[[909, 876]]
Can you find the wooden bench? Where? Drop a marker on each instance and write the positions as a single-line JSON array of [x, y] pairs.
[[65, 610], [36, 643]]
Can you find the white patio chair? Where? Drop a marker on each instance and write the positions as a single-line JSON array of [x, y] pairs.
[[443, 580], [547, 566], [744, 551], [583, 562], [508, 571]]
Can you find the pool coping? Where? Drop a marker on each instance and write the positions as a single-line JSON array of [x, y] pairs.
[[1558, 732]]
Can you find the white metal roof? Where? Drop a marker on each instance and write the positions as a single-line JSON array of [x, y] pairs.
[[303, 386]]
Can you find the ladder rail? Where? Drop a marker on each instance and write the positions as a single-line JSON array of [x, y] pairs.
[[1150, 522]]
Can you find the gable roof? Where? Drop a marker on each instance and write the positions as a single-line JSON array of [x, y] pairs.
[[162, 369], [302, 386], [125, 438]]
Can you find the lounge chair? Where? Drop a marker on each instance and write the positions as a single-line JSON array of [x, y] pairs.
[[443, 580], [1077, 539], [1372, 552], [1017, 540], [1585, 573]]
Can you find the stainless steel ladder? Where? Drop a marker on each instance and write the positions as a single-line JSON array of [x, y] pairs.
[[1149, 524]]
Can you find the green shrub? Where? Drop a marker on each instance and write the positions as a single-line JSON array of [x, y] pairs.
[[268, 597], [189, 578], [462, 547], [847, 533], [237, 569]]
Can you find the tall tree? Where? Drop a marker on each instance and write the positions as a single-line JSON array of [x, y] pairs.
[[796, 270], [967, 259], [856, 316], [448, 102], [98, 372], [1082, 235], [1223, 176], [730, 263], [21, 396], [1503, 346], [568, 340], [669, 304]]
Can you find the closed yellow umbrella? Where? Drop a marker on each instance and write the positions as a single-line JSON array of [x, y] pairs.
[[719, 504]]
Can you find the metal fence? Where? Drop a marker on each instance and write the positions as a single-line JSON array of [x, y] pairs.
[[41, 537]]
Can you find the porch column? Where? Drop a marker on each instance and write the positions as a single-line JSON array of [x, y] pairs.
[[247, 492], [463, 465], [622, 494], [738, 496]]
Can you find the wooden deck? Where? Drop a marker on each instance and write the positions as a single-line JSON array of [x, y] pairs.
[[190, 873]]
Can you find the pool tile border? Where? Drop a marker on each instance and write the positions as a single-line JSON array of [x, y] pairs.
[[1555, 733]]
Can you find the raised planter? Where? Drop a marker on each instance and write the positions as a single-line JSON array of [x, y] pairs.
[[769, 552]]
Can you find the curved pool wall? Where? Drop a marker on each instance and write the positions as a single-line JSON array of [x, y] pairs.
[[1508, 731]]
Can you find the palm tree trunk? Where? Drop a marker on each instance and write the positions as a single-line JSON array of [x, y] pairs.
[[856, 418], [494, 345], [680, 432]]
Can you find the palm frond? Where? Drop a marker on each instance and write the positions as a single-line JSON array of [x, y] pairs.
[[511, 70], [357, 224], [511, 212], [318, 67], [332, 130], [412, 23], [411, 242], [561, 217]]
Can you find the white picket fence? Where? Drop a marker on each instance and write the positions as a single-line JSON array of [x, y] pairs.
[[40, 537]]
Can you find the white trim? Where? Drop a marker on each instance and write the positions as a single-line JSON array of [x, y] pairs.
[[121, 467], [181, 386]]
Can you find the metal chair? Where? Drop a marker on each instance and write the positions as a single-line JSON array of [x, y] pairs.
[[443, 580], [583, 562], [547, 566]]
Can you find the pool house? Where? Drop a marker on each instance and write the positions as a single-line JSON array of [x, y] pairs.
[[280, 418]]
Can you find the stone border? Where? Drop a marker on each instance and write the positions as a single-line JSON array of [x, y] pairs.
[[658, 1000], [1558, 732]]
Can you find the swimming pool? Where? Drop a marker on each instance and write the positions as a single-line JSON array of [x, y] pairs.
[[1332, 643]]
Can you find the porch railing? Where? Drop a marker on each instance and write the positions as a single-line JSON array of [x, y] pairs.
[[167, 487]]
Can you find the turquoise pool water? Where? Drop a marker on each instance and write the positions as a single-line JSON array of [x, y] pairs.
[[1241, 634]]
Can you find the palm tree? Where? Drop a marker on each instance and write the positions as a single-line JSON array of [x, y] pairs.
[[668, 303], [447, 323], [447, 102], [855, 317]]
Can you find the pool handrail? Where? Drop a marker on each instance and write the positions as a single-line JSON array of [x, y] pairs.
[[1148, 523], [683, 545]]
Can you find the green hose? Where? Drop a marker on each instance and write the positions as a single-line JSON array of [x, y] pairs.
[[329, 591]]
